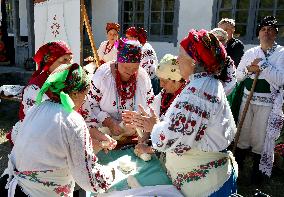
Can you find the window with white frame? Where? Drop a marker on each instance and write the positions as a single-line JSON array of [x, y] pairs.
[[247, 14], [158, 17]]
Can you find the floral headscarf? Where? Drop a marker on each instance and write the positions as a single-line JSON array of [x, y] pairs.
[[142, 35], [206, 50], [110, 26], [44, 58], [168, 68], [132, 31], [49, 53], [128, 51], [64, 80]]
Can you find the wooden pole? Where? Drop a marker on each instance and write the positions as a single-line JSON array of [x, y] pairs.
[[81, 31], [244, 113], [89, 31]]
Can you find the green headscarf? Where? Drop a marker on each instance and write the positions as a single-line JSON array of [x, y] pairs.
[[64, 80]]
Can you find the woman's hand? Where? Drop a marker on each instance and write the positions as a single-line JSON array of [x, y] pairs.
[[143, 148], [141, 119], [113, 125], [145, 122], [96, 146], [144, 139], [102, 141], [108, 143]]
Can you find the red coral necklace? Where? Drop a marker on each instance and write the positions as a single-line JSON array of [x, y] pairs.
[[168, 98], [126, 89], [108, 48]]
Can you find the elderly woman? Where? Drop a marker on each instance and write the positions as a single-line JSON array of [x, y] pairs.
[[48, 57], [149, 60], [118, 86], [53, 148], [228, 75], [199, 126], [172, 83], [107, 51]]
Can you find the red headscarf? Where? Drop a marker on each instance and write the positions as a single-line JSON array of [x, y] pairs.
[[110, 26], [44, 58], [206, 49], [132, 31], [142, 35]]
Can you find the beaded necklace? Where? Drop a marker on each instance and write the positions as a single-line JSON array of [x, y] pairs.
[[108, 49], [168, 98], [125, 90]]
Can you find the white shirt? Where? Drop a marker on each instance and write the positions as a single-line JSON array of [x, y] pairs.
[[52, 140], [272, 70], [29, 97], [200, 118], [230, 81], [149, 60], [103, 100], [106, 55]]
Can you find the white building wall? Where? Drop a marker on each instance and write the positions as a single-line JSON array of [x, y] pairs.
[[103, 12], [189, 18], [23, 18], [193, 14]]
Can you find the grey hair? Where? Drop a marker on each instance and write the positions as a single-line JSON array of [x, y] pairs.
[[227, 21]]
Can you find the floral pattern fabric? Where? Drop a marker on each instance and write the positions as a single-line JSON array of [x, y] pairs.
[[39, 177], [103, 100], [230, 80], [51, 170], [29, 97], [199, 118], [272, 71], [149, 60], [198, 173]]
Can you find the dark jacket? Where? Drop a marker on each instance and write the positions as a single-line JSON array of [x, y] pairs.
[[235, 49]]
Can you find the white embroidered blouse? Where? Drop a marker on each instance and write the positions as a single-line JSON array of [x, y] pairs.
[[103, 100], [149, 60], [230, 81], [200, 118], [105, 54], [29, 97], [271, 67], [52, 150]]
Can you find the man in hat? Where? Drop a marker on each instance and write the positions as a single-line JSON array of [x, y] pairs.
[[234, 47], [264, 118]]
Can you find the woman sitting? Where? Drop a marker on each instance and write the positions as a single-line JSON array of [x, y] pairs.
[[199, 126], [48, 57], [118, 86], [149, 60], [53, 148], [172, 83], [107, 52]]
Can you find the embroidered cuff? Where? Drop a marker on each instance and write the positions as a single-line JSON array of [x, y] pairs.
[[263, 64]]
